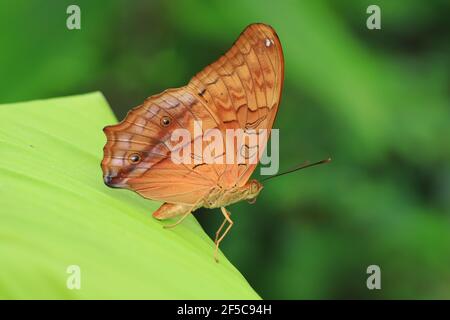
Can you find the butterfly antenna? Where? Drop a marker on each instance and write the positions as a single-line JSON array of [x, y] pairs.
[[304, 165]]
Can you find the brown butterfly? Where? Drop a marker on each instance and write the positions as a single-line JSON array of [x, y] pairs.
[[241, 90]]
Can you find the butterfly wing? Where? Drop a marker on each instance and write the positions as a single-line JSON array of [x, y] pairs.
[[242, 89]]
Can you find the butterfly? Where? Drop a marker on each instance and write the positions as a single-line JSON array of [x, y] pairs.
[[240, 90]]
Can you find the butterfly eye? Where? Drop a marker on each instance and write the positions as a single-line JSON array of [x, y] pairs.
[[165, 121], [254, 187], [134, 158]]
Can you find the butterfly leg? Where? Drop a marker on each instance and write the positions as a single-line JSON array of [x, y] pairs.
[[170, 210], [221, 227], [176, 210], [227, 215], [179, 220]]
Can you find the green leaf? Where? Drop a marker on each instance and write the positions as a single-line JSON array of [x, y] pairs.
[[55, 212]]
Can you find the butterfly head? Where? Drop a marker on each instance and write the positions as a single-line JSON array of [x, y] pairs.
[[253, 188]]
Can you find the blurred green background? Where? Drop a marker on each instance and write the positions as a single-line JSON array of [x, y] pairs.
[[376, 101]]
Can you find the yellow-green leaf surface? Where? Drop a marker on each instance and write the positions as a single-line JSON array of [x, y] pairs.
[[56, 212]]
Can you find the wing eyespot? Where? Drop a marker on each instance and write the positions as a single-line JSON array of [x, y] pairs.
[[134, 158], [165, 121]]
